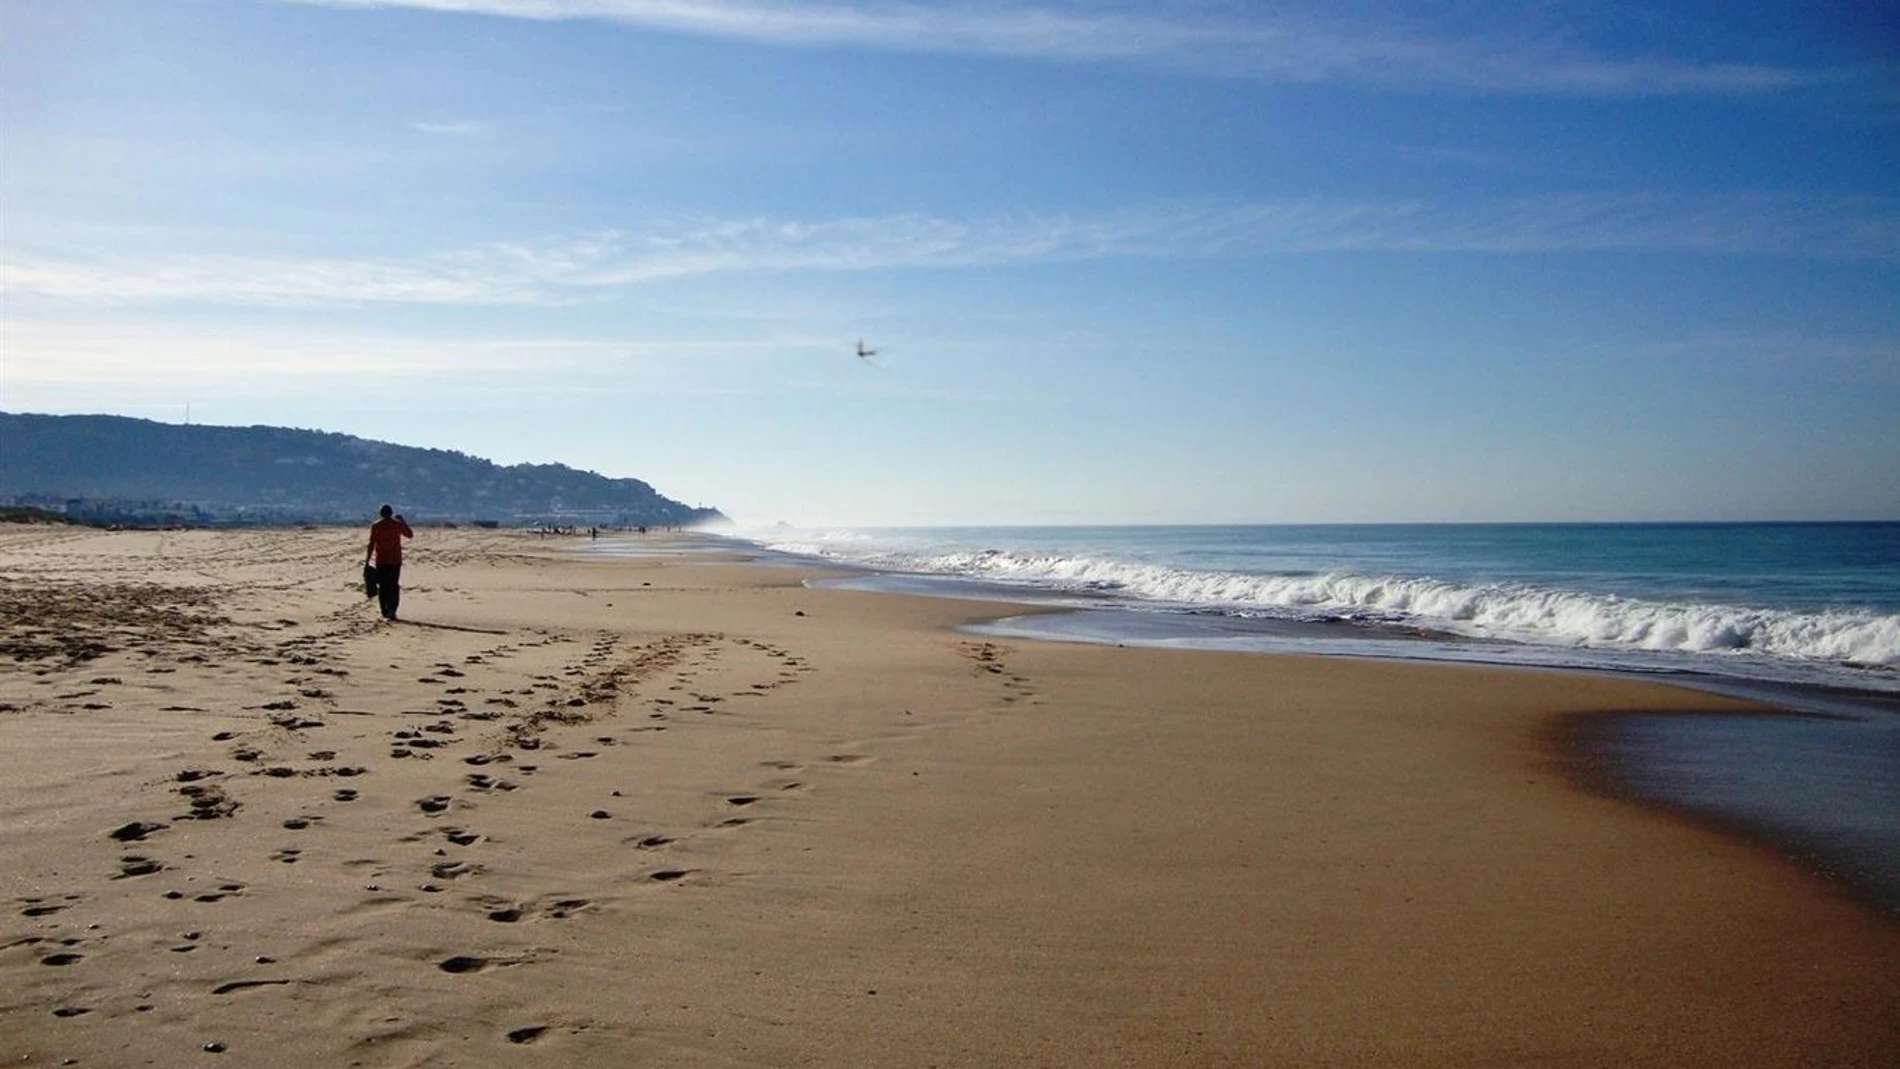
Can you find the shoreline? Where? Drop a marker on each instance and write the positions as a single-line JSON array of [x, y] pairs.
[[1834, 814], [1155, 619], [688, 810], [1816, 790]]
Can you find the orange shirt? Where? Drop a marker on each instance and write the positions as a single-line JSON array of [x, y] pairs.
[[385, 538]]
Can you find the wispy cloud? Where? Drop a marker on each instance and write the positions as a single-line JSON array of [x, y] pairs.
[[1265, 47], [593, 266], [455, 128], [450, 279], [57, 352]]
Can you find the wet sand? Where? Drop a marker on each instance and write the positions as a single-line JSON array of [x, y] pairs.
[[1823, 790], [684, 811]]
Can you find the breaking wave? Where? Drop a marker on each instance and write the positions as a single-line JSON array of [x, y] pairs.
[[1499, 611]]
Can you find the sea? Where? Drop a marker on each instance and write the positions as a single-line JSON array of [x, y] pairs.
[[1803, 605], [1804, 616]]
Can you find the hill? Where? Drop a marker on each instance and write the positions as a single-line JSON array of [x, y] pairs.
[[117, 469]]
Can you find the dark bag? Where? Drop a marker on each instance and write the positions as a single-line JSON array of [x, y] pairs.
[[369, 580]]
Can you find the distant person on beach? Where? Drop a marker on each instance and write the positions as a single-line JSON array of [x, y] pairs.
[[385, 548]]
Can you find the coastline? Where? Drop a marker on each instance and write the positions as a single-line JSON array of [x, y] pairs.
[[1737, 602], [1823, 797], [838, 831]]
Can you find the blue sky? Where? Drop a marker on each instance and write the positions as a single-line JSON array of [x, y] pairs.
[[1189, 261]]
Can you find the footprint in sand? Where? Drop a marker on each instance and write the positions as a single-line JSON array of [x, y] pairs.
[[528, 1034], [39, 907], [208, 802], [137, 865], [240, 985], [503, 911], [134, 832], [451, 870]]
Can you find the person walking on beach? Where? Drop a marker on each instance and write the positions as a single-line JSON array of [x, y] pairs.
[[385, 547]]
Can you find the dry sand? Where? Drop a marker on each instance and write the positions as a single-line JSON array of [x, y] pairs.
[[679, 811]]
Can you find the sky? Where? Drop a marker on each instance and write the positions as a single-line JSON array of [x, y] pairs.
[[1154, 261]]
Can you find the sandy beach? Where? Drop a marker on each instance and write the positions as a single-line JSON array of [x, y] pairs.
[[682, 810]]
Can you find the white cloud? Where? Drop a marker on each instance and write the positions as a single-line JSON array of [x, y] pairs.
[[54, 352], [455, 128], [593, 266], [1266, 47], [245, 280]]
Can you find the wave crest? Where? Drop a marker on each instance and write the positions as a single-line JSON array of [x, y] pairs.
[[1514, 612]]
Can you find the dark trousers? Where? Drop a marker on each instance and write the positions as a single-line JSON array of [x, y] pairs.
[[388, 588]]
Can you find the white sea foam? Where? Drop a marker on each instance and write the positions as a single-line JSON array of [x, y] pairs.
[[1513, 612]]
